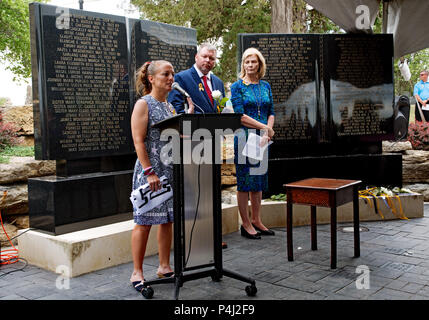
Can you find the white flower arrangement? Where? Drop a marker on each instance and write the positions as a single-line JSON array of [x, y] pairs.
[[216, 94]]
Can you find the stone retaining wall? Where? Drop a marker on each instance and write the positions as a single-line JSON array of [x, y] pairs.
[[415, 166]]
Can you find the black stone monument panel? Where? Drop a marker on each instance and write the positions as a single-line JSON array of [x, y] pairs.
[[292, 74], [372, 169], [80, 83], [339, 88], [361, 89], [83, 68], [159, 41]]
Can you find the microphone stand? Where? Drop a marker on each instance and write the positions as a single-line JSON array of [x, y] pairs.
[[185, 104]]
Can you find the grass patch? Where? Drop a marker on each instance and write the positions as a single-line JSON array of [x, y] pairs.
[[16, 151]]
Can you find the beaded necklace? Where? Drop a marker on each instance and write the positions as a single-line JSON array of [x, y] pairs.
[[258, 98]]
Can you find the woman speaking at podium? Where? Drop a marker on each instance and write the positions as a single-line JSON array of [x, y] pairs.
[[252, 97], [153, 83]]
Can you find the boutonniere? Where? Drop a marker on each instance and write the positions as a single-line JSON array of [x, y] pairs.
[[200, 87]]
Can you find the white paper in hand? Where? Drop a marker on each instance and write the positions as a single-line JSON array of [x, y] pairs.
[[143, 199], [253, 148]]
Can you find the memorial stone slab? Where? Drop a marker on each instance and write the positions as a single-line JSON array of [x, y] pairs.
[[83, 66], [326, 87], [80, 64], [334, 103]]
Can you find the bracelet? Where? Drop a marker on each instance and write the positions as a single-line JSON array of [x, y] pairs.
[[148, 171]]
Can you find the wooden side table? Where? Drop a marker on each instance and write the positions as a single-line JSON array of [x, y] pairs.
[[330, 193]]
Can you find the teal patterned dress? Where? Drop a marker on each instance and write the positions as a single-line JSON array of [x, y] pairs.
[[246, 99]]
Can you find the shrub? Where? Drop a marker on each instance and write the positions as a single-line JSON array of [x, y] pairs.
[[418, 135], [8, 134]]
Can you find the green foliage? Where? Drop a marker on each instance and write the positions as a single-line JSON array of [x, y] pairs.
[[4, 101], [215, 21], [278, 197], [15, 36], [16, 151], [318, 23]]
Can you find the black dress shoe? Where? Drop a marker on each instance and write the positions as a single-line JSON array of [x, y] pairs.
[[247, 235], [264, 232]]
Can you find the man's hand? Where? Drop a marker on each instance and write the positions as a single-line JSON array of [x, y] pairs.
[[191, 105]]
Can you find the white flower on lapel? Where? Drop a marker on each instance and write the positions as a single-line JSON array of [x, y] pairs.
[[216, 94]]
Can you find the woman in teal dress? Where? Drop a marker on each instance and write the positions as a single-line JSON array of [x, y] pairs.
[[252, 97]]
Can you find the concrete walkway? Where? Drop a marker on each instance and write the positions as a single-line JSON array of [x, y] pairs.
[[395, 253]]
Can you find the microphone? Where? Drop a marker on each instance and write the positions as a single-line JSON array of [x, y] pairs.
[[176, 86]]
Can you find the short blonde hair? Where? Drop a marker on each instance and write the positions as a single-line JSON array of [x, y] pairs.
[[262, 64]]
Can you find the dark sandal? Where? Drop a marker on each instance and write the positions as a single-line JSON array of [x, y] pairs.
[[138, 285]]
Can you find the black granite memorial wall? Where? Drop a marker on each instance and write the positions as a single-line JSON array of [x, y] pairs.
[[334, 104], [83, 69]]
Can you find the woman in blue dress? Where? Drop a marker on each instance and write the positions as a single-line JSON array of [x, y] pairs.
[[153, 82], [252, 97]]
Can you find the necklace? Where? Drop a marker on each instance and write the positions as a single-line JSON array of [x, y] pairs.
[[169, 107], [166, 105], [258, 98]]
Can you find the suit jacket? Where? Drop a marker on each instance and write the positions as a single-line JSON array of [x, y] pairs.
[[191, 83]]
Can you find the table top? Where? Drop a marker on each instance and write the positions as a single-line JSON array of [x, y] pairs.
[[322, 183]]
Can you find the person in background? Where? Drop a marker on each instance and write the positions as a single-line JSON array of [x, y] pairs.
[[199, 82], [153, 82], [421, 92], [252, 97]]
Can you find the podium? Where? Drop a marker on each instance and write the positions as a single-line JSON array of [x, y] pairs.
[[195, 144]]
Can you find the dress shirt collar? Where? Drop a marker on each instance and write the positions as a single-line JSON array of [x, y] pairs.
[[200, 74]]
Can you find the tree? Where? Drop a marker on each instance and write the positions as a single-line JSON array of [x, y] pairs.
[[218, 22], [281, 16], [417, 62], [15, 37]]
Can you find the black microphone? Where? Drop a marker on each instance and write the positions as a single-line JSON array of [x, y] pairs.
[[176, 86]]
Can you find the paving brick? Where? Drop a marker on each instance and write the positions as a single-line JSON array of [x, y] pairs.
[[393, 273], [389, 294]]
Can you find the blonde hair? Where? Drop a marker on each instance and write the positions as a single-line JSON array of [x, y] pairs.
[[143, 85], [262, 64]]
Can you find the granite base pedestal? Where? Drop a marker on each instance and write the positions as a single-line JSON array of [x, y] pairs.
[[59, 205]]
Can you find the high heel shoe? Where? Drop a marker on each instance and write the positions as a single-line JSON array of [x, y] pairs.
[[247, 235], [264, 232]]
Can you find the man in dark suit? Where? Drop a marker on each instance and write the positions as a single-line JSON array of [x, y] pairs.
[[199, 82]]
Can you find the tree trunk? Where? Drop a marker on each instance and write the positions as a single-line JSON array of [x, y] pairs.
[[281, 16]]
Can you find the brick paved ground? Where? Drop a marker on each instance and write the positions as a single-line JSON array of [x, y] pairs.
[[396, 253]]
